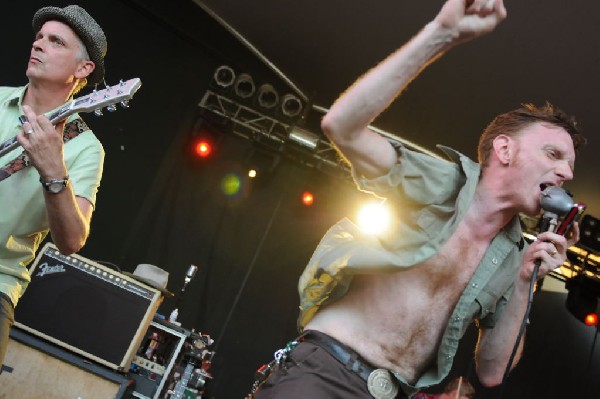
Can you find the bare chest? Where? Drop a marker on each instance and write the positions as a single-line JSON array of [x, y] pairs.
[[409, 309]]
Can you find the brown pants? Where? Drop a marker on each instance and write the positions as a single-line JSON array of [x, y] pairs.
[[310, 372]]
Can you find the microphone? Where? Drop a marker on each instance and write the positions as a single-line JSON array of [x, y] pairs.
[[189, 275], [573, 216], [191, 271], [555, 202]]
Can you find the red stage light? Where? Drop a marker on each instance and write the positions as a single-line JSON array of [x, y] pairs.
[[591, 320], [308, 198], [203, 148]]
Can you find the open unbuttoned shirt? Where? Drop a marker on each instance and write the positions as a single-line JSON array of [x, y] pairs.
[[23, 220], [431, 196]]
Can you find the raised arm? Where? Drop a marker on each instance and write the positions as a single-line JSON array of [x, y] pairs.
[[346, 124]]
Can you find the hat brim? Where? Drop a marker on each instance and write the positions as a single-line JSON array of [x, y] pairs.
[[150, 283]]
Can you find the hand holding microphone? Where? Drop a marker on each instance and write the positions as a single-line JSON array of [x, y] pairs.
[[550, 247]]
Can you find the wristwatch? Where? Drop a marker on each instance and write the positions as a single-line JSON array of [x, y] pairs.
[[55, 186]]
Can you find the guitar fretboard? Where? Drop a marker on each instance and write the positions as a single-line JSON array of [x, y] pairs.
[[8, 146]]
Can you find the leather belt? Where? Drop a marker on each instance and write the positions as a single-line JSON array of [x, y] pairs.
[[341, 352], [380, 382]]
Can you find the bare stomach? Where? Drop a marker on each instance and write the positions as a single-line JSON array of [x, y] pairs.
[[396, 320]]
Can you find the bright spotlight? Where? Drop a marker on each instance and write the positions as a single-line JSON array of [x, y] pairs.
[[374, 218], [308, 198], [591, 320], [203, 148]]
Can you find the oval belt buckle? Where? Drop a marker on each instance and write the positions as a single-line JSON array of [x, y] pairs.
[[382, 385]]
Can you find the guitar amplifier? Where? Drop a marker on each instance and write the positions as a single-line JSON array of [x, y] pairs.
[[86, 307]]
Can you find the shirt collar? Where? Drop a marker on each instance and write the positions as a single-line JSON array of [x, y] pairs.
[[513, 228], [16, 97]]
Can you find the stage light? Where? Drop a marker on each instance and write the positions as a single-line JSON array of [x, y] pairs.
[[224, 76], [203, 147], [308, 198], [231, 184], [582, 299], [291, 106], [303, 137], [374, 218], [267, 96], [591, 320], [204, 139], [590, 232], [244, 86], [260, 164]]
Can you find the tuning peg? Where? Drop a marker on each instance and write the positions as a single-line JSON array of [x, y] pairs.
[[98, 112], [125, 103], [111, 108]]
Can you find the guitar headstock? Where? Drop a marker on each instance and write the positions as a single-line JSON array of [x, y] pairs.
[[122, 92]]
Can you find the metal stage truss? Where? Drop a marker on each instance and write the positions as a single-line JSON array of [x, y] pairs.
[[284, 138]]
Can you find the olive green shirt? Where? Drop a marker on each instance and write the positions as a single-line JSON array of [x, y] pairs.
[[430, 196], [23, 220]]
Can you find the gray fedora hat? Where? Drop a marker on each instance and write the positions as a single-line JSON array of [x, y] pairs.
[[87, 29]]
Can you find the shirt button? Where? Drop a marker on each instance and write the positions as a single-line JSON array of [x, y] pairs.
[[495, 261], [474, 285]]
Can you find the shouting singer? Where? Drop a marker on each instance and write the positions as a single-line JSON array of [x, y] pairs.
[[45, 185], [382, 317]]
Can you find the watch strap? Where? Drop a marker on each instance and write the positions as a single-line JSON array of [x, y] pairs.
[[47, 184]]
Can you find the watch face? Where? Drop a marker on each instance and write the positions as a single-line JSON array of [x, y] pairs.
[[56, 187]]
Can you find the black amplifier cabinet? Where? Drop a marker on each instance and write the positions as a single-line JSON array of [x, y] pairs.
[[86, 307]]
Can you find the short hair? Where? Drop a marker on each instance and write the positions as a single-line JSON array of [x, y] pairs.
[[512, 123], [82, 55], [466, 388]]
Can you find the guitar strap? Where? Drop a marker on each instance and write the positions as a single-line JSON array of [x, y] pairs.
[[72, 129]]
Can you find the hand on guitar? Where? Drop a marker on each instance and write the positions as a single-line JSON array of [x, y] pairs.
[[43, 143]]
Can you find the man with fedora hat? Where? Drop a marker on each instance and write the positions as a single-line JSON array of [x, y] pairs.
[[48, 186]]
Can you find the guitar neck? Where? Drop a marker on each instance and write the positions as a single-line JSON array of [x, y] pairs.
[[8, 146], [95, 101], [55, 116]]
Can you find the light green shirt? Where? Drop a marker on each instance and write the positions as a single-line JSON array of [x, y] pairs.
[[430, 196], [23, 220]]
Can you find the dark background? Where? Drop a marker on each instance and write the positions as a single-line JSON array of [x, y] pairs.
[[157, 205]]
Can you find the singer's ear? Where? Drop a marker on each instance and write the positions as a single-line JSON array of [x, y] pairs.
[[503, 149]]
